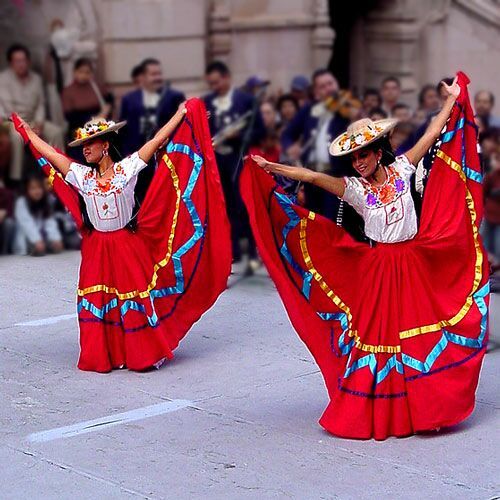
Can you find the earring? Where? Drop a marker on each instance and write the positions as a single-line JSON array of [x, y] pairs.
[[104, 152]]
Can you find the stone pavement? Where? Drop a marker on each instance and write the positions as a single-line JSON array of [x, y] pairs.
[[234, 415]]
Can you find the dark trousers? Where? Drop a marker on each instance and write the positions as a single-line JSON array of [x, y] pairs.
[[236, 211]]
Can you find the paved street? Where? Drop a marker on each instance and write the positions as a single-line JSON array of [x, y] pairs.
[[233, 416]]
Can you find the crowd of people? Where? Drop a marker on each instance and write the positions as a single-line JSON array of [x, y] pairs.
[[293, 126]]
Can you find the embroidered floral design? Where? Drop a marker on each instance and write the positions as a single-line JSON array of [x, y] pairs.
[[390, 191], [115, 184]]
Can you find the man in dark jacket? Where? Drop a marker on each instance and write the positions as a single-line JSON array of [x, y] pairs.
[[147, 109], [306, 140], [229, 108]]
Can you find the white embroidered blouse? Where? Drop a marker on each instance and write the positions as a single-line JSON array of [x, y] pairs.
[[388, 210], [110, 203]]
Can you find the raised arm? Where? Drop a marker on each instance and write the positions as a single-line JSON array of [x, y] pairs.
[[331, 184], [417, 152], [149, 149], [58, 160]]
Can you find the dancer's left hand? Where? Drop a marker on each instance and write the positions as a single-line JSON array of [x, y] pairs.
[[452, 90]]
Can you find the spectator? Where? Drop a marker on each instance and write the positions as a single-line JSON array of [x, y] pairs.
[[255, 86], [484, 101], [148, 108], [67, 226], [489, 142], [491, 223], [390, 91], [6, 195], [419, 117], [37, 232], [429, 99], [230, 110], [371, 101], [377, 114], [83, 99], [300, 89], [402, 131], [136, 75], [402, 112], [21, 91], [287, 107], [269, 115], [307, 138]]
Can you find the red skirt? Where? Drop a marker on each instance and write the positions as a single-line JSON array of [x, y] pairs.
[[140, 292], [398, 330]]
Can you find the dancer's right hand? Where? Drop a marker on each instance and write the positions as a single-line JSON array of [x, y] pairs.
[[261, 162]]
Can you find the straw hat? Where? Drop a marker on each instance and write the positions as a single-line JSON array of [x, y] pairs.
[[95, 128], [361, 133]]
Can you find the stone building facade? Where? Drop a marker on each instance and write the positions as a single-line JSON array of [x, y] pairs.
[[418, 41]]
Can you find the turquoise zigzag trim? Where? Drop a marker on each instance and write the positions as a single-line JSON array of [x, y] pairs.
[[199, 232], [370, 360], [426, 365]]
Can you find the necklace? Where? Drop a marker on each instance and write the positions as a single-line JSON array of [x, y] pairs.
[[102, 173]]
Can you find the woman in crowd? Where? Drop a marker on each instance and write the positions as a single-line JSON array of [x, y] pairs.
[[84, 98], [37, 231], [144, 280], [398, 326]]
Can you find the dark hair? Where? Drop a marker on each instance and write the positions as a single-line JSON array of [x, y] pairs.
[[394, 79], [150, 61], [378, 111], [17, 47], [492, 133], [423, 91], [287, 98], [320, 72], [40, 208], [371, 91], [114, 147], [83, 61], [384, 145], [217, 67], [137, 70], [400, 105]]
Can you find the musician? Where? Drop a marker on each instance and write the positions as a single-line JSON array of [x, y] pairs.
[[149, 107], [229, 107], [146, 110], [306, 139]]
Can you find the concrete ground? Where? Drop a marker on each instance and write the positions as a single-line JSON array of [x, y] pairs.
[[233, 416]]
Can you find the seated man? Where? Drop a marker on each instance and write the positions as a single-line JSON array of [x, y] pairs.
[[21, 92]]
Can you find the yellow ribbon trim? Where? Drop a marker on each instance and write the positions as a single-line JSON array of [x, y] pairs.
[[414, 331], [478, 267], [145, 293], [335, 298]]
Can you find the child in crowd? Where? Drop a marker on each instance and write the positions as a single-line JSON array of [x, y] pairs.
[[37, 231]]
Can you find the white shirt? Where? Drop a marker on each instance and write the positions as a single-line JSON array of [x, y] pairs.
[[323, 140], [388, 210], [150, 99], [110, 205]]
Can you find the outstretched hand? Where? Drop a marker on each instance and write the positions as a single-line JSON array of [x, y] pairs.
[[452, 90], [262, 163]]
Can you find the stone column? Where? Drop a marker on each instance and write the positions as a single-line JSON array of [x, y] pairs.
[[219, 40], [323, 35]]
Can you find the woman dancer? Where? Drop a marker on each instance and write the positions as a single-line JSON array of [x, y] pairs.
[[143, 282], [398, 327]]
